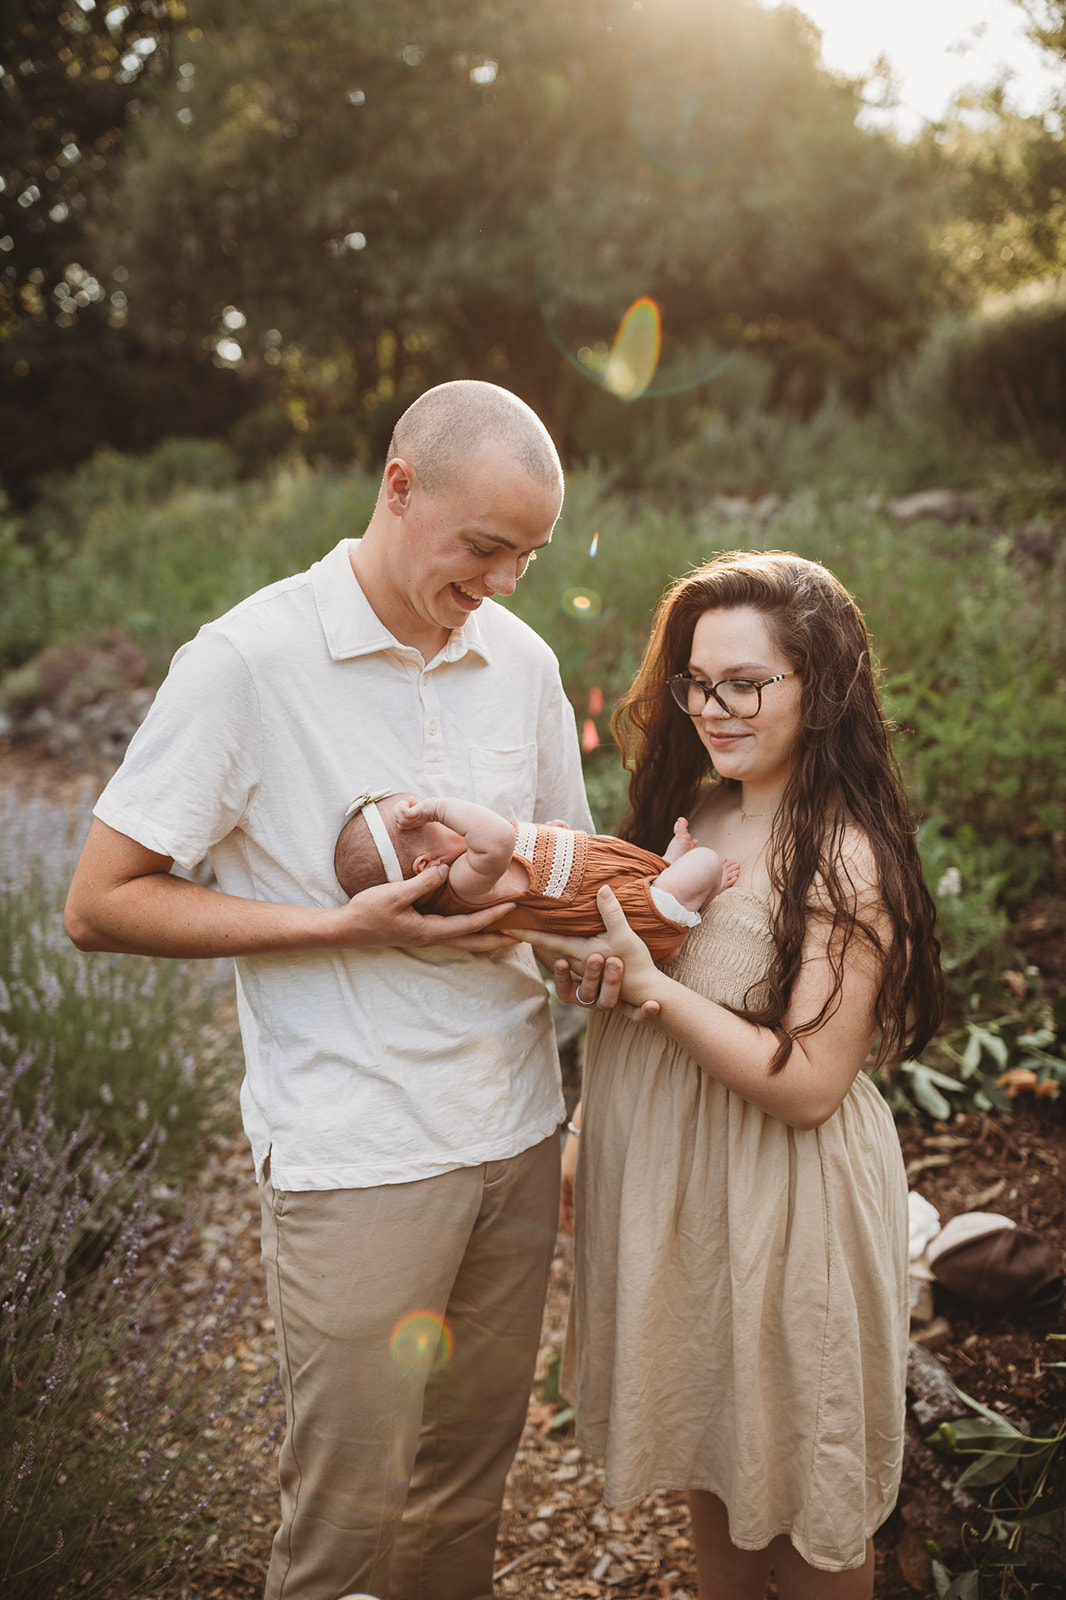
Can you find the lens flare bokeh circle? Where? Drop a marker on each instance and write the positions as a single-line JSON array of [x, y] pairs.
[[581, 603], [421, 1341]]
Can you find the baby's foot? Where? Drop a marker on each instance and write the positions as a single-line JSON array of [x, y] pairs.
[[730, 874]]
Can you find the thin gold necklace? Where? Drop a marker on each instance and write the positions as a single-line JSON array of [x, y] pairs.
[[755, 816]]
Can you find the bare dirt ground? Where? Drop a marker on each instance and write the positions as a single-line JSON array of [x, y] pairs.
[[556, 1537]]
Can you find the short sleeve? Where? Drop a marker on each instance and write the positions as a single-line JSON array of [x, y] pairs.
[[193, 766]]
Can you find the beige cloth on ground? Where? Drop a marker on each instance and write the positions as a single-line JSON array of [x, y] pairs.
[[740, 1310]]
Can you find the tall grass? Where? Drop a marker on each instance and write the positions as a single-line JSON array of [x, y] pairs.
[[104, 1485], [110, 1066], [133, 1044]]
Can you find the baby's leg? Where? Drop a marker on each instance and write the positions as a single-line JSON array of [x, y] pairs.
[[697, 876]]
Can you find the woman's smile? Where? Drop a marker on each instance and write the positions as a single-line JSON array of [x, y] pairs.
[[759, 751]]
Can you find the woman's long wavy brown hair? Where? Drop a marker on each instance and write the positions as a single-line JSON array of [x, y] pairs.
[[846, 775]]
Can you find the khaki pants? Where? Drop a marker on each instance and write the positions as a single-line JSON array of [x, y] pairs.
[[408, 1321]]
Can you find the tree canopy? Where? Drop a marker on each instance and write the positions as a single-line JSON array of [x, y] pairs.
[[325, 205]]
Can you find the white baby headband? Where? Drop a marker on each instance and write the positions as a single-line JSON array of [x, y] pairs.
[[365, 804]]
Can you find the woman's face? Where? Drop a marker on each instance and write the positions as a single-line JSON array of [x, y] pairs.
[[762, 750]]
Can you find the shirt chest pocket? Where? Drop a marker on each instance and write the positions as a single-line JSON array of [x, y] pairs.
[[506, 780]]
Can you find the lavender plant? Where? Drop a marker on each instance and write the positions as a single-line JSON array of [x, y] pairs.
[[133, 1043], [102, 1486]]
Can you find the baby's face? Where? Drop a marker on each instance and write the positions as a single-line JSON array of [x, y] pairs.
[[441, 843]]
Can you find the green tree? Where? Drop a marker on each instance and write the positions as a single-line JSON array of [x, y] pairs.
[[71, 77], [358, 200]]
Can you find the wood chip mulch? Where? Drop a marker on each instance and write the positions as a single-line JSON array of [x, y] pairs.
[[556, 1536]]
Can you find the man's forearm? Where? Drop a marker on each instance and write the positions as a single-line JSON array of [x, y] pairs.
[[124, 898], [158, 914]]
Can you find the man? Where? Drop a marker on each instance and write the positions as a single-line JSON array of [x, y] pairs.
[[401, 1094]]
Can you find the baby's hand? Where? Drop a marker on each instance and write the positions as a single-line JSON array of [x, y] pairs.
[[412, 812]]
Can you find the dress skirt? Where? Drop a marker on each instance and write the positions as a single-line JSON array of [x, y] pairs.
[[740, 1309]]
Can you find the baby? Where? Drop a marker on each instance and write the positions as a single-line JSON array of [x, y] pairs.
[[552, 872]]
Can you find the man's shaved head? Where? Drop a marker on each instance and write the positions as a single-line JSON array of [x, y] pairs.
[[442, 431]]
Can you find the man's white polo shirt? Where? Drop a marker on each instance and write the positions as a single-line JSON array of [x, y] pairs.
[[379, 1065]]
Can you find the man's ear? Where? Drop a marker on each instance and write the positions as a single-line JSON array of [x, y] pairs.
[[399, 482]]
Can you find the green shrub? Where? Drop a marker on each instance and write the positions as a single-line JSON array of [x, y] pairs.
[[261, 437], [976, 714], [161, 567], [109, 477], [972, 925], [966, 620], [1003, 369], [1018, 1476]]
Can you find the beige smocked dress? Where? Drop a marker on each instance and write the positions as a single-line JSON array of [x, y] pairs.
[[740, 1309]]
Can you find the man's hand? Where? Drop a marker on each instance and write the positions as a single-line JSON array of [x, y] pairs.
[[386, 915]]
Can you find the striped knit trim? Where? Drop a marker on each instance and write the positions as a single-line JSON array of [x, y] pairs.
[[556, 858], [526, 840], [562, 863]]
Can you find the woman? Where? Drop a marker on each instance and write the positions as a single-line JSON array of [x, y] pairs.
[[740, 1311]]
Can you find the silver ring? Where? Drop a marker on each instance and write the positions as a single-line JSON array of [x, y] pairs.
[[577, 997]]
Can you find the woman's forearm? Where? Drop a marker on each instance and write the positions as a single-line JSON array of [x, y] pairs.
[[804, 1093]]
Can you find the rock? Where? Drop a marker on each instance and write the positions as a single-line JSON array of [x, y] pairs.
[[768, 506], [949, 506], [937, 1334], [1038, 545], [933, 1396], [764, 507], [1045, 1560], [915, 1562], [95, 735]]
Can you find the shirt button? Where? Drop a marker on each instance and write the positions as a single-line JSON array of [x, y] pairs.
[[433, 729]]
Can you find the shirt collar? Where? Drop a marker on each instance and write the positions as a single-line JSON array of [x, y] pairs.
[[352, 627]]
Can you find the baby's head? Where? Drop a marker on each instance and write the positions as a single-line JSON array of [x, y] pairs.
[[357, 858]]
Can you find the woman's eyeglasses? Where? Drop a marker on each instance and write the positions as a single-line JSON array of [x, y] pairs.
[[738, 697]]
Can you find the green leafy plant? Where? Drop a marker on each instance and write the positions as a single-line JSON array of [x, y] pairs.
[[1020, 1476], [563, 1420], [986, 1064]]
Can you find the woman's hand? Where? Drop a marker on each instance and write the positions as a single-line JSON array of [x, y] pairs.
[[608, 971]]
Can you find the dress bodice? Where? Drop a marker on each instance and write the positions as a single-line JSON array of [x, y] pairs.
[[730, 951]]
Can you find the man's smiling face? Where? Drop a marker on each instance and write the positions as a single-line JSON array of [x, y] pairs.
[[468, 542]]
